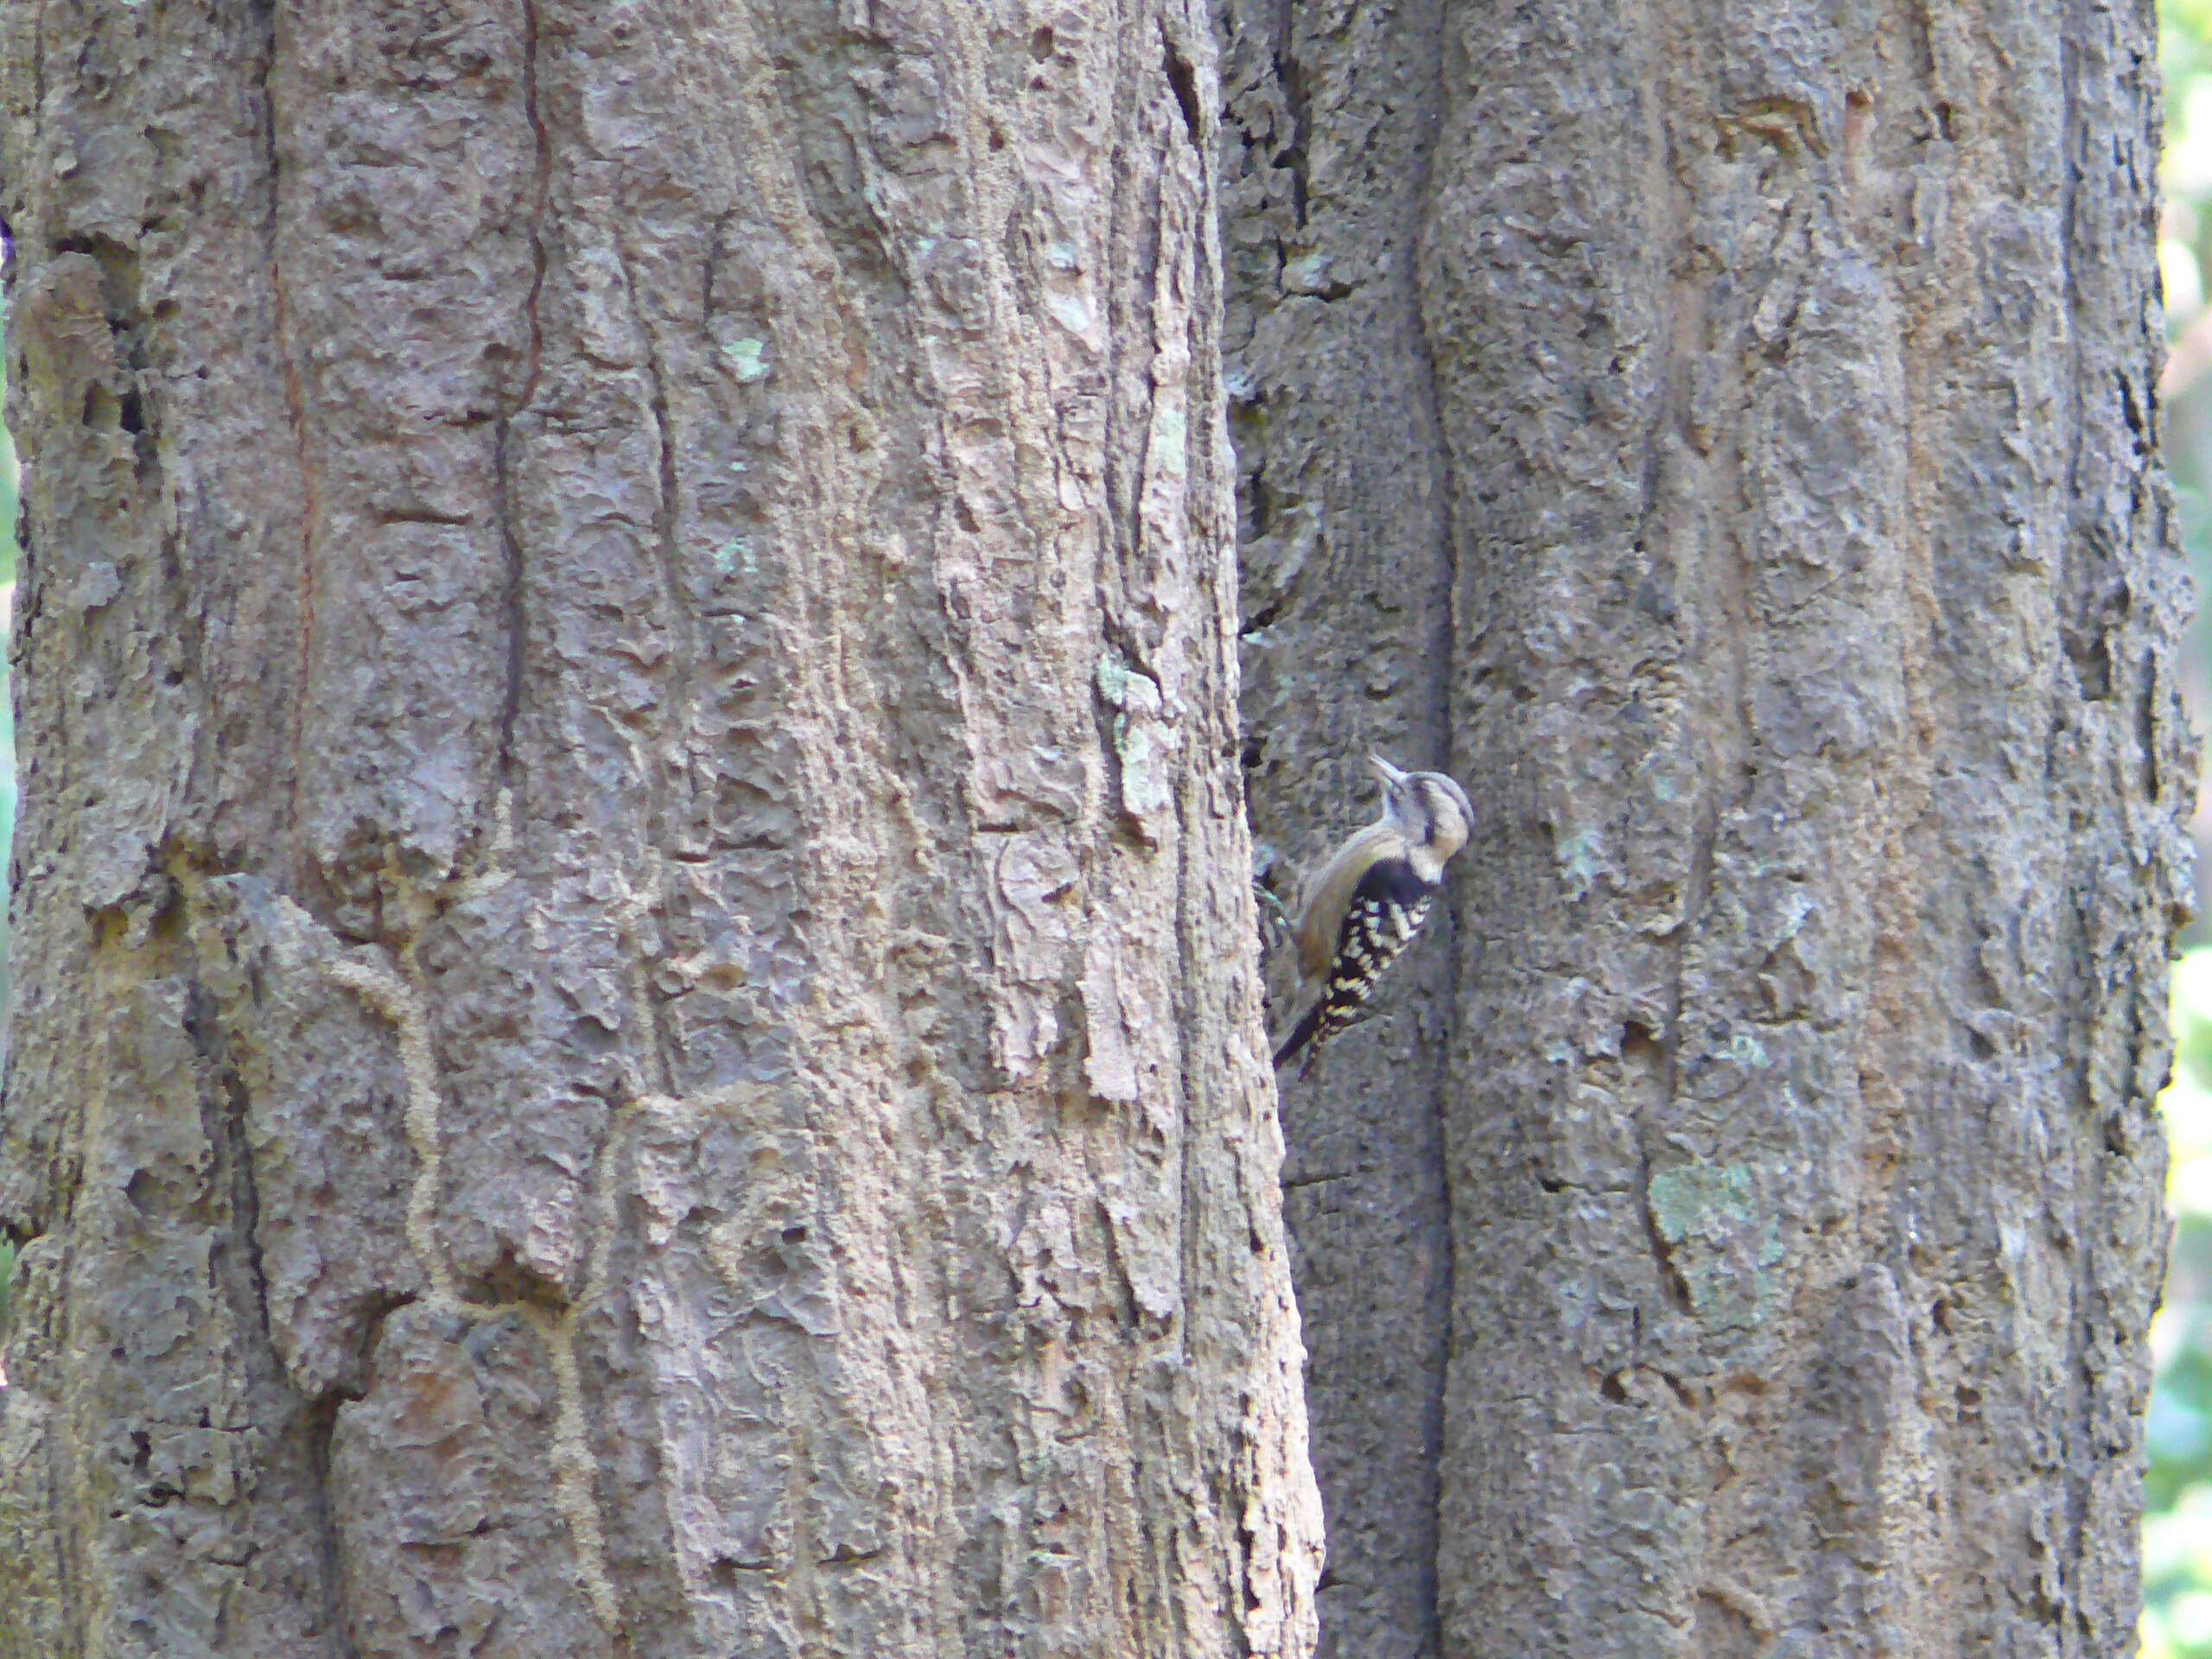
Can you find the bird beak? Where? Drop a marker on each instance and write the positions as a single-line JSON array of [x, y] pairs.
[[1388, 773]]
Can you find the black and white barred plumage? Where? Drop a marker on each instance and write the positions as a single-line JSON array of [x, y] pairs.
[[1367, 902]]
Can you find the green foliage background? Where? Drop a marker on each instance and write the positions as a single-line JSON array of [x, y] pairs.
[[2177, 1497]]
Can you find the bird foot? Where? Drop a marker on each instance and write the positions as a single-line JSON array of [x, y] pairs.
[[1271, 905]]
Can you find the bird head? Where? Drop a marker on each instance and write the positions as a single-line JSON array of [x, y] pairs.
[[1427, 808]]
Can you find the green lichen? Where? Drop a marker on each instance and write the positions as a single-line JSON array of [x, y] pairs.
[[1170, 436], [1118, 683], [745, 356], [1692, 1199], [1708, 1214], [1746, 1050], [1141, 738], [1580, 856]]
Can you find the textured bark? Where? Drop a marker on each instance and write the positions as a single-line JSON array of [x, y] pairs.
[[1723, 435], [637, 1033]]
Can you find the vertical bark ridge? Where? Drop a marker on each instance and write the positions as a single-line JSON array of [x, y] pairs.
[[756, 1116]]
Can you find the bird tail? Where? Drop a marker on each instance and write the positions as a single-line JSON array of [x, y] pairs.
[[1301, 1035]]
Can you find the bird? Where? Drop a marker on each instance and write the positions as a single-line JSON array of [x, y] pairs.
[[1362, 907]]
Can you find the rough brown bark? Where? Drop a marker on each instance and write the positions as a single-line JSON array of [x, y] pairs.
[[1724, 435], [637, 1032]]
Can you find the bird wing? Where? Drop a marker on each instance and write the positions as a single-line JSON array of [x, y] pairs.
[[1389, 905], [1328, 896]]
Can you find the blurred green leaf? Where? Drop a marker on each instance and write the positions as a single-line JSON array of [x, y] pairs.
[[2178, 1489], [2178, 1493]]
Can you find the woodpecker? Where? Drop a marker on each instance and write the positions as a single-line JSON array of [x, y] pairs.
[[1363, 906]]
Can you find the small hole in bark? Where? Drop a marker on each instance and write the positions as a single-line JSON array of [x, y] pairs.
[[2092, 659], [1639, 1042], [1041, 44], [1612, 1388], [794, 1235]]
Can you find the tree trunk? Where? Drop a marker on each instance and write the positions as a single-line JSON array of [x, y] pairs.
[[1724, 435], [637, 1028]]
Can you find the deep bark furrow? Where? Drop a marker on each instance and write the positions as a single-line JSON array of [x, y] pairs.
[[1448, 629], [283, 346], [1330, 121]]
